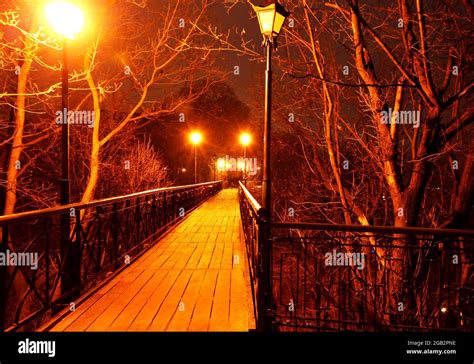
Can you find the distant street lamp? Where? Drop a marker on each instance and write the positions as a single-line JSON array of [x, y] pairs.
[[221, 167], [195, 137], [245, 140], [221, 164], [271, 19], [67, 20]]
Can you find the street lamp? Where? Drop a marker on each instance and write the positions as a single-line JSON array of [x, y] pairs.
[[221, 164], [67, 20], [245, 140], [271, 19], [195, 137]]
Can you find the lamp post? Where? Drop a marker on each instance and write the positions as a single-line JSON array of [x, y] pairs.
[[245, 140], [221, 166], [271, 19], [214, 158], [180, 172], [67, 20], [195, 138]]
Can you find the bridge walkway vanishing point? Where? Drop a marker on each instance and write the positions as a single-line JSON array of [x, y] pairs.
[[193, 279]]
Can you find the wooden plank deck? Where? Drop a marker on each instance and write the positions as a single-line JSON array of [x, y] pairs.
[[194, 279]]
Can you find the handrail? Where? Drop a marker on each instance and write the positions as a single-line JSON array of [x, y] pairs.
[[105, 201], [357, 228], [74, 255], [372, 228], [256, 207], [282, 263]]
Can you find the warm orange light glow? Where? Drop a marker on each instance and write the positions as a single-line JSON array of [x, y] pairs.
[[240, 165], [183, 170], [245, 139], [195, 137], [220, 164], [65, 18]]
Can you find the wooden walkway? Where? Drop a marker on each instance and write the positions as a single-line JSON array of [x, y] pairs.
[[193, 279]]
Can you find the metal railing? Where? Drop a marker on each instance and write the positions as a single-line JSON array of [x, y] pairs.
[[105, 236], [252, 214], [328, 277]]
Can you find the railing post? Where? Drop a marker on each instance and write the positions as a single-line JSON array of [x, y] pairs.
[[47, 229], [78, 257], [165, 208], [99, 238], [265, 294], [138, 220], [173, 207], [161, 205], [115, 234], [70, 253], [154, 225]]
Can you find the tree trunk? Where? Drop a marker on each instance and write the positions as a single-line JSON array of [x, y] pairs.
[[94, 163], [14, 163]]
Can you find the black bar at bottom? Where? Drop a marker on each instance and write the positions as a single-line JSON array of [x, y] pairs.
[[297, 347]]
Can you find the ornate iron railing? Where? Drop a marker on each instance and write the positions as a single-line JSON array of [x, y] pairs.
[[329, 277], [104, 236]]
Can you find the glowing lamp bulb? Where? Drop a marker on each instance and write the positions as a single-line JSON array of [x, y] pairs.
[[196, 138], [220, 164], [65, 18], [245, 139]]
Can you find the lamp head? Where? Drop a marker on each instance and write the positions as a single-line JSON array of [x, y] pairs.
[[221, 164], [195, 137], [245, 139], [65, 18], [271, 19]]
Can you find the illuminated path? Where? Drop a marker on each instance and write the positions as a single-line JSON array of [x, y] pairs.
[[193, 279]]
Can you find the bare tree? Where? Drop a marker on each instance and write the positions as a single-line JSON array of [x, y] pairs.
[[23, 99], [354, 71]]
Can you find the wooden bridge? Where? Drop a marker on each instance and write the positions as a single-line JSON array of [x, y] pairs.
[[204, 258], [194, 279]]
